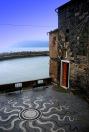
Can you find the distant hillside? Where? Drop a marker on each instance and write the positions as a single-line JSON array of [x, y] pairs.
[[32, 44]]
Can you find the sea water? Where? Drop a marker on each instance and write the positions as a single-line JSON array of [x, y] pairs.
[[23, 69]]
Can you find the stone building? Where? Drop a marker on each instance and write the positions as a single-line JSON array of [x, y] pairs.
[[53, 52], [72, 42]]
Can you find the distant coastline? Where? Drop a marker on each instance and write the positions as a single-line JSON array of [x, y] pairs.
[[22, 54]]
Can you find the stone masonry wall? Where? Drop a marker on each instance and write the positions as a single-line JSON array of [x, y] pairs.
[[73, 20]]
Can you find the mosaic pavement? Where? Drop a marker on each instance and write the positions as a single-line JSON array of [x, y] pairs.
[[43, 110]]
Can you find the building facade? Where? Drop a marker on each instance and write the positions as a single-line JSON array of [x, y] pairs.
[[73, 41], [53, 52]]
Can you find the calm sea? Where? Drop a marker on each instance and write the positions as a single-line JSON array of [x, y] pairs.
[[24, 69]]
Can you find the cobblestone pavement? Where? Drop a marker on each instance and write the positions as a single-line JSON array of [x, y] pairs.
[[43, 110]]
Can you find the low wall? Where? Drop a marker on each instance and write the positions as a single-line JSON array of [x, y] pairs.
[[23, 85]]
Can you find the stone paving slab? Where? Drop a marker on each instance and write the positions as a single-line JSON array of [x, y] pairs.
[[43, 110]]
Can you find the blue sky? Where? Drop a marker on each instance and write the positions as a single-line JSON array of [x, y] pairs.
[[29, 19]]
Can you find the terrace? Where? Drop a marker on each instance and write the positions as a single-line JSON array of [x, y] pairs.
[[43, 109]]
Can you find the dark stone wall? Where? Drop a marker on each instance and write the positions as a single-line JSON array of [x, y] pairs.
[[73, 19]]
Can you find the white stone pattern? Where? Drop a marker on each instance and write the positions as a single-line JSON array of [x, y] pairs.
[[38, 115]]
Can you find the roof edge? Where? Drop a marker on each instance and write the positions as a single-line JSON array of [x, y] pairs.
[[55, 30], [63, 6]]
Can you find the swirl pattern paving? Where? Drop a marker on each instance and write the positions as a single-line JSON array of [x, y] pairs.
[[38, 113]]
